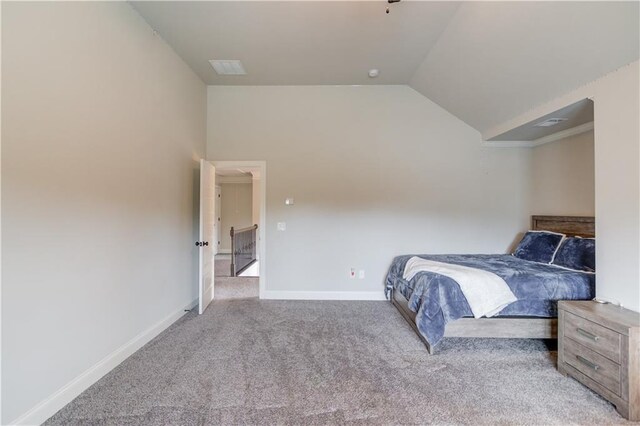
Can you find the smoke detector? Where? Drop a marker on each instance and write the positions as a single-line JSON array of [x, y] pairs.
[[228, 66], [373, 73], [550, 122]]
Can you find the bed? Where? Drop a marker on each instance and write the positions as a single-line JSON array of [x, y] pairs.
[[435, 307]]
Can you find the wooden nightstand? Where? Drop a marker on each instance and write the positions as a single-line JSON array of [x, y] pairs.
[[599, 345]]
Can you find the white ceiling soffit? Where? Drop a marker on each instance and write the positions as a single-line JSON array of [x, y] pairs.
[[245, 172], [232, 176], [301, 43], [232, 172], [575, 116], [497, 60]]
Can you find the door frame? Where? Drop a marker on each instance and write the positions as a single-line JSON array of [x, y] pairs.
[[206, 269], [262, 166]]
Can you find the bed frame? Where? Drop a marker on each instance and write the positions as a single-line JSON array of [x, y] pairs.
[[507, 327]]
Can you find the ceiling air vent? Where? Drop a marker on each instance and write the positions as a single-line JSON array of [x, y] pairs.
[[228, 66], [550, 122]]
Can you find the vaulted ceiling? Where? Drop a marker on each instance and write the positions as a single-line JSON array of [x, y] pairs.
[[485, 62], [301, 43], [495, 61]]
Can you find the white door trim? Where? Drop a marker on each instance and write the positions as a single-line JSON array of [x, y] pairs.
[[208, 223], [262, 166]]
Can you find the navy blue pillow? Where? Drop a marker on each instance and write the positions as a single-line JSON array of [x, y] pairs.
[[577, 253], [538, 246]]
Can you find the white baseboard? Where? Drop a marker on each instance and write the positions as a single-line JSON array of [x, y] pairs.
[[323, 295], [52, 404]]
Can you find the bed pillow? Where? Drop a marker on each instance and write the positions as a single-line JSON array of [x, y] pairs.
[[577, 253], [538, 246]]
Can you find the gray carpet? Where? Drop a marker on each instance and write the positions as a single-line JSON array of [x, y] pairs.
[[222, 265], [295, 362], [227, 288]]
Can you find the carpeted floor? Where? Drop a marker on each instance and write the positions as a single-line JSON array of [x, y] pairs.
[[256, 361], [227, 287], [222, 265]]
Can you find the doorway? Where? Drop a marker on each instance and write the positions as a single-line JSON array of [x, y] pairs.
[[240, 205]]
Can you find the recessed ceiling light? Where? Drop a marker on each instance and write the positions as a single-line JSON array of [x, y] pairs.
[[550, 122], [373, 73], [228, 66]]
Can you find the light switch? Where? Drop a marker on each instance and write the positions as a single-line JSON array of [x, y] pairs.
[[282, 226], [288, 201]]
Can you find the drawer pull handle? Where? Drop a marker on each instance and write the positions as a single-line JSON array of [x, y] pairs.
[[585, 333], [588, 363]]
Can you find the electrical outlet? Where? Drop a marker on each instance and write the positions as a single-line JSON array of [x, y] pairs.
[[361, 274], [352, 273]]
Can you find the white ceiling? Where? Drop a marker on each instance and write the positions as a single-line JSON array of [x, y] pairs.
[[485, 62], [301, 43], [497, 60]]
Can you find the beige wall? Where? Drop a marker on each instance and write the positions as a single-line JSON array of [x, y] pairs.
[[103, 126], [563, 181], [617, 153], [376, 171], [236, 210]]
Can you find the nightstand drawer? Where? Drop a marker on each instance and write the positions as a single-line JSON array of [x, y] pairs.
[[600, 369], [596, 337]]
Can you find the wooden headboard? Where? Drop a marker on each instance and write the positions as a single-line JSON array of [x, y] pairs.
[[584, 226]]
